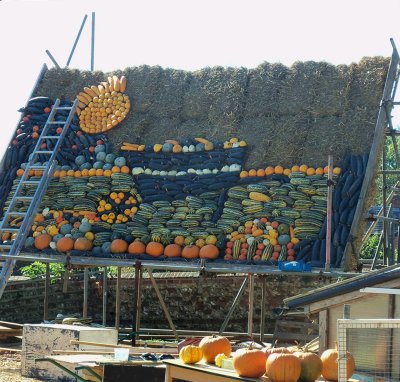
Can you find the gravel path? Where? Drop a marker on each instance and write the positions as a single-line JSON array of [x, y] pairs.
[[10, 369]]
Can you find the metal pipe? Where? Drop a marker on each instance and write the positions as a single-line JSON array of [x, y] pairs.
[[105, 296], [92, 44], [76, 40], [251, 306], [85, 291], [163, 305], [46, 293], [53, 59], [376, 256], [263, 298], [384, 206], [233, 306], [118, 299], [329, 215]]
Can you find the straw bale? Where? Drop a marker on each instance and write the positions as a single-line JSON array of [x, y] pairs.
[[218, 93], [142, 86], [299, 87], [265, 88], [67, 83], [368, 82], [359, 129], [199, 128], [275, 140], [332, 90], [170, 88], [326, 135], [159, 130], [134, 130]]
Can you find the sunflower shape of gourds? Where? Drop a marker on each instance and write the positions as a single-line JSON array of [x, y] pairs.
[[102, 107]]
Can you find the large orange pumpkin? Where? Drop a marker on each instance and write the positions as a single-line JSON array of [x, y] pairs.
[[269, 351], [173, 250], [42, 241], [214, 345], [154, 249], [65, 244], [311, 366], [249, 362], [329, 360], [119, 246], [209, 251], [191, 252], [83, 244], [136, 248], [283, 367]]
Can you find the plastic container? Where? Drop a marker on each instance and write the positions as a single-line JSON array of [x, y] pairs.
[[121, 354], [294, 266]]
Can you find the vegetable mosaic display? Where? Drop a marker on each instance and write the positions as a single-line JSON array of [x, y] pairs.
[[178, 199]]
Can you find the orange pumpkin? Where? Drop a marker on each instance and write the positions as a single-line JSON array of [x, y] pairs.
[[214, 345], [136, 248], [65, 244], [191, 252], [250, 363], [173, 250], [209, 251], [180, 240], [329, 360], [119, 246], [269, 351], [283, 367], [42, 241], [83, 244], [311, 366], [154, 249]]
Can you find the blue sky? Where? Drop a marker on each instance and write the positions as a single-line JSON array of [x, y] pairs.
[[184, 34]]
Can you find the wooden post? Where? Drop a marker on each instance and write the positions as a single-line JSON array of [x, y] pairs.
[[136, 303], [66, 280], [251, 305], [85, 292], [46, 293], [323, 317], [263, 299], [105, 296], [118, 299], [329, 215]]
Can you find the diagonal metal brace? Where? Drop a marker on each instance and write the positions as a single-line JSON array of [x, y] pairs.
[[234, 304]]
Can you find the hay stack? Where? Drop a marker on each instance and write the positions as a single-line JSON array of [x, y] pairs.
[[288, 115]]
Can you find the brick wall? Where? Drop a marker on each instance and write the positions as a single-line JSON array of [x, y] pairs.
[[195, 302]]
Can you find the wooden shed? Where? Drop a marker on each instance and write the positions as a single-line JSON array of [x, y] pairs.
[[327, 303]]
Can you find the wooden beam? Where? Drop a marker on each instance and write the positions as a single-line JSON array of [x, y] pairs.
[[380, 290], [379, 137], [323, 331], [345, 298]]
